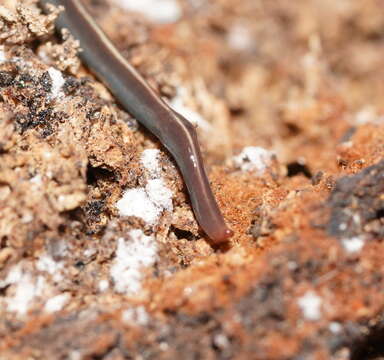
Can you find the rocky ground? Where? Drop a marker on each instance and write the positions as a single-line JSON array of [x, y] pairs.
[[100, 255]]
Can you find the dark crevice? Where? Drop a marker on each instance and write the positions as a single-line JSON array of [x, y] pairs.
[[371, 347], [97, 173], [295, 168], [183, 234], [292, 129], [3, 290], [237, 111], [380, 213]]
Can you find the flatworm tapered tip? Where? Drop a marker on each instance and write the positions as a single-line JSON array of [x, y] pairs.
[[222, 236], [228, 233]]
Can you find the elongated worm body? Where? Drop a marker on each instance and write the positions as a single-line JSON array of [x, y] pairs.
[[176, 133]]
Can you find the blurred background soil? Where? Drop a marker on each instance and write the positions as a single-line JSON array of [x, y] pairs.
[[100, 255]]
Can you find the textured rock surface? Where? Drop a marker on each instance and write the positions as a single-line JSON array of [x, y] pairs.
[[100, 255]]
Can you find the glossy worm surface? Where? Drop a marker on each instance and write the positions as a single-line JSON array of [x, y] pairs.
[[176, 133]]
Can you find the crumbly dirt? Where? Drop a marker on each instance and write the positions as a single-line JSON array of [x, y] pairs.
[[303, 276]]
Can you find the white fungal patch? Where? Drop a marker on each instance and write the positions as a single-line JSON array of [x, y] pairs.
[[89, 253], [239, 37], [146, 203], [42, 54], [57, 81], [27, 289], [310, 304], [254, 158], [24, 288], [136, 202], [368, 115], [149, 202], [27, 218], [47, 264], [221, 341], [343, 226], [132, 255], [56, 303], [150, 160], [159, 194], [353, 244], [160, 11], [36, 180], [335, 327], [103, 285], [3, 56], [136, 315]]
